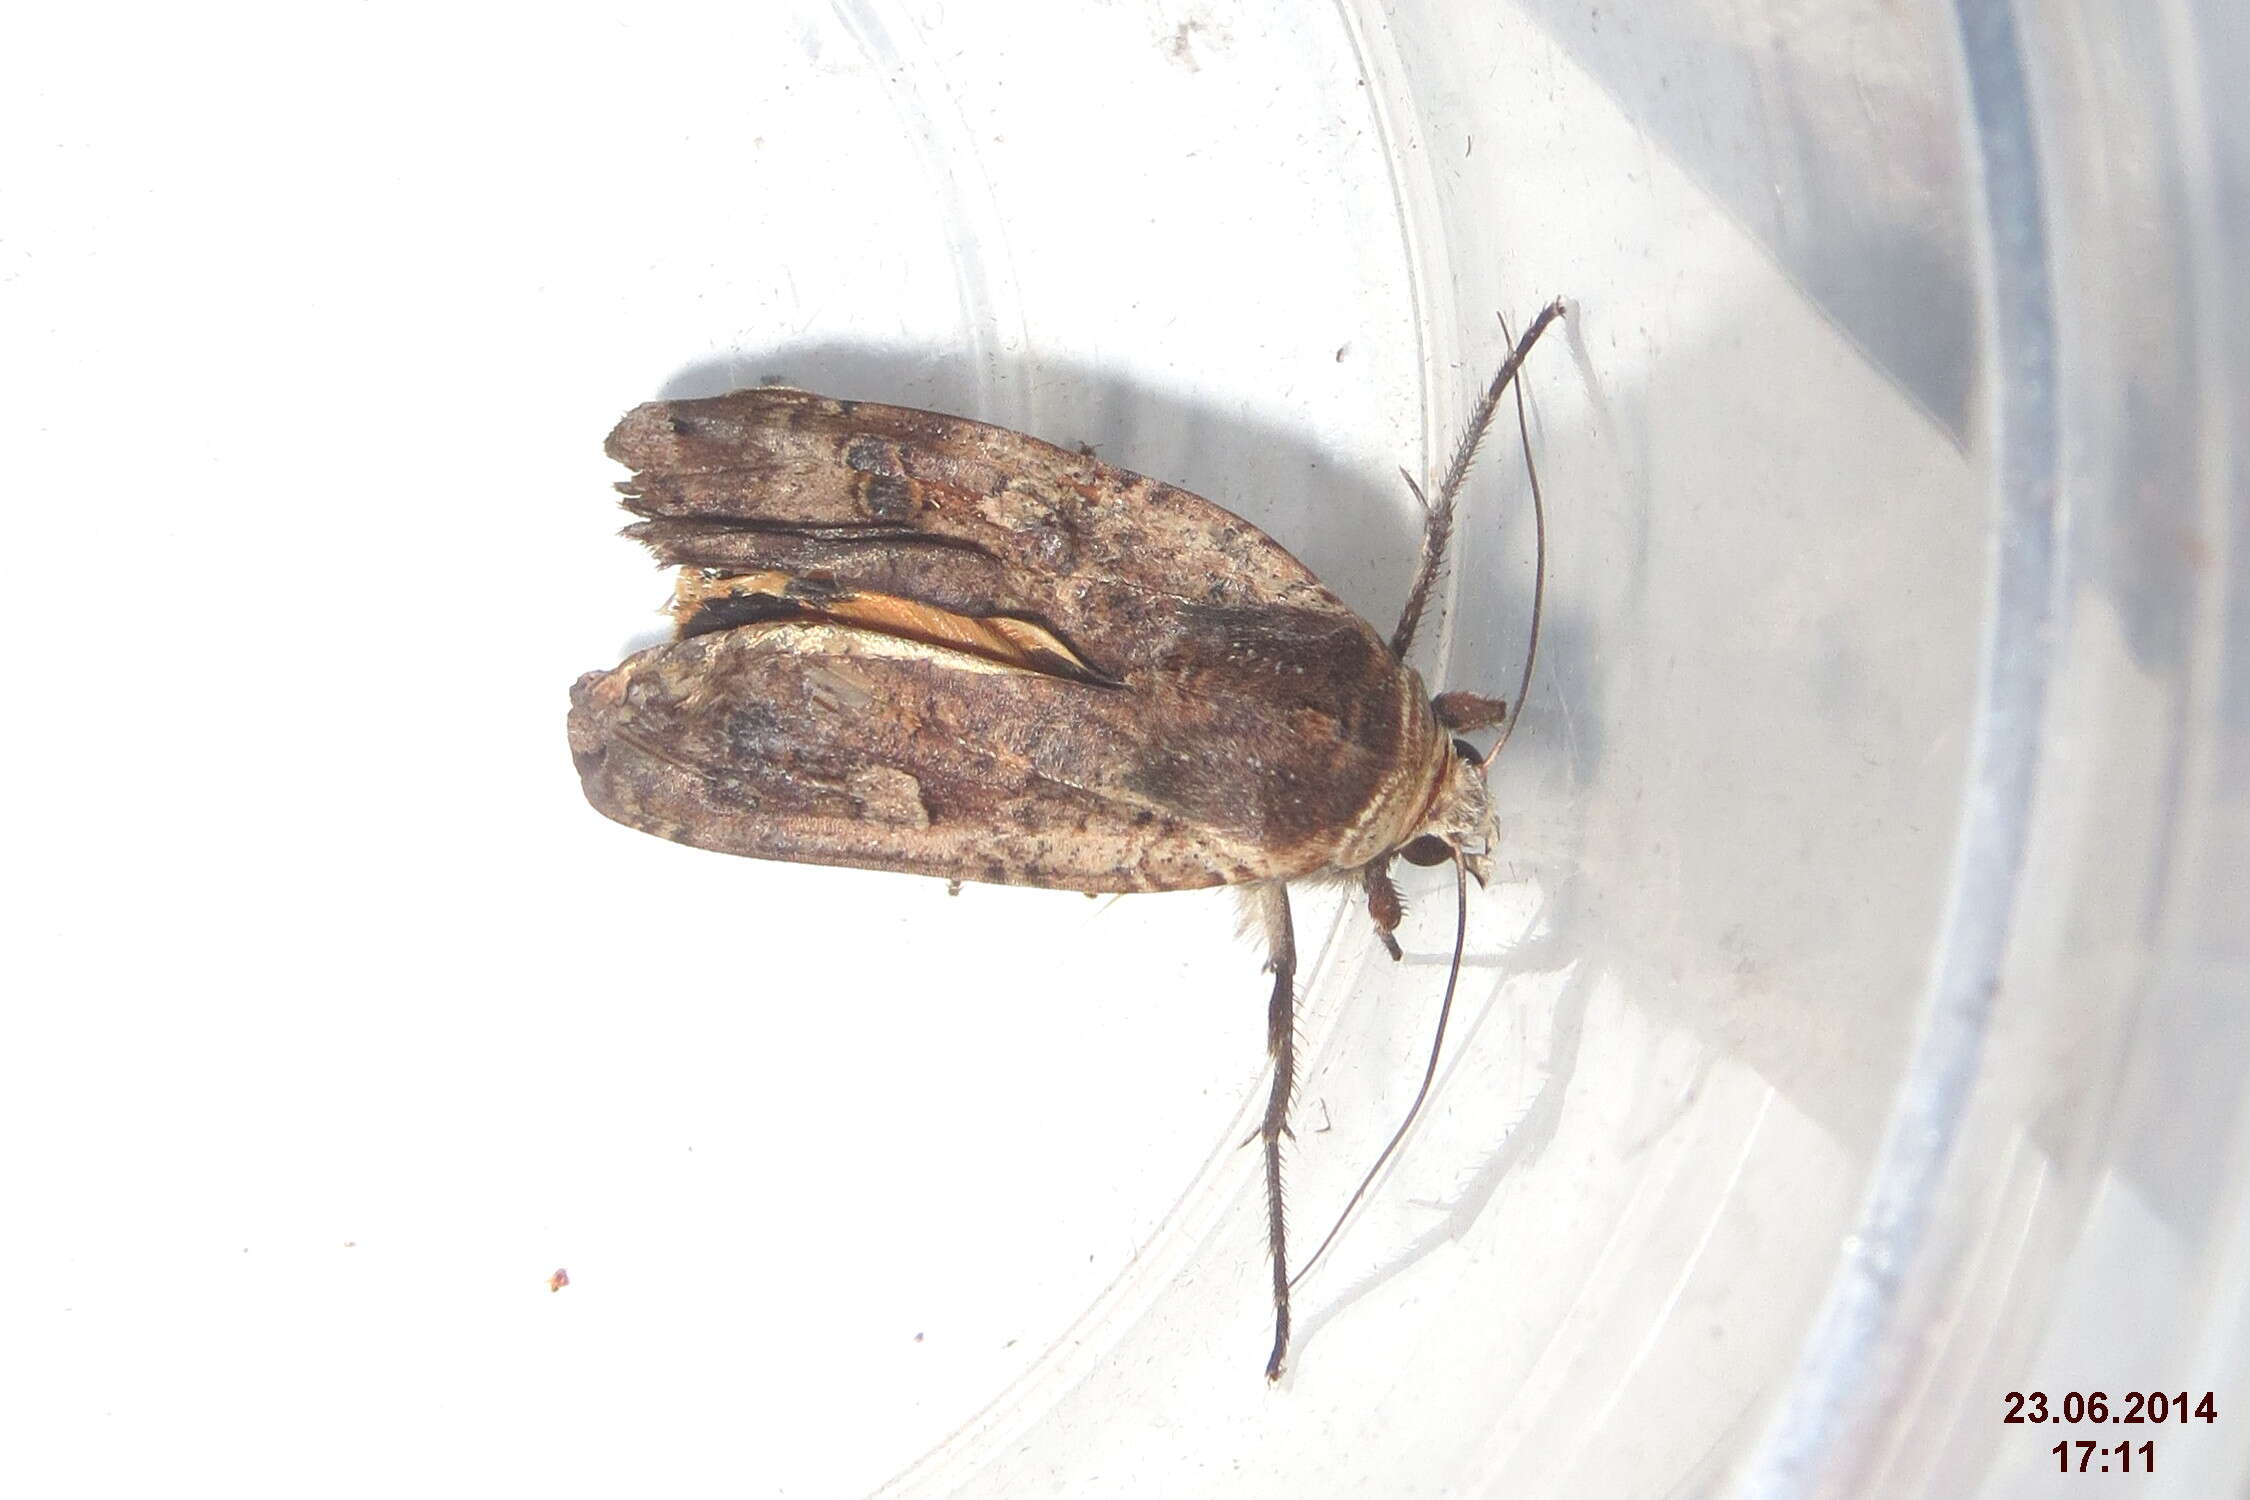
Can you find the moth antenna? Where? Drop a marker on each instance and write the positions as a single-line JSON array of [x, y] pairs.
[[1538, 573], [1281, 1041], [1429, 1072]]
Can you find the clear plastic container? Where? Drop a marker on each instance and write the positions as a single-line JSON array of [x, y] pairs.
[[1854, 1032], [1857, 1035]]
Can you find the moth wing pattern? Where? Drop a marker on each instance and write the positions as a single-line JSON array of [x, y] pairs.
[[765, 741], [965, 515], [1234, 720]]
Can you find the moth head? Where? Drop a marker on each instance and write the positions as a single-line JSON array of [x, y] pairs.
[[1460, 822]]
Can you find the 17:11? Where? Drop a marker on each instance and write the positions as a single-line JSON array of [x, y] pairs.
[[2087, 1449]]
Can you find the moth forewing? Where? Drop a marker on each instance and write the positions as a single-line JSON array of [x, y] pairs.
[[919, 643]]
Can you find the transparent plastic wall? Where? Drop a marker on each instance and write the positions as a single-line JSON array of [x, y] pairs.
[[1857, 1034]]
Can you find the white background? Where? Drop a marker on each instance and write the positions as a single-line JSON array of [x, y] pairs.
[[339, 1021]]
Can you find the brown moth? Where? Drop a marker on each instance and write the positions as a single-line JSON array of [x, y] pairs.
[[919, 643]]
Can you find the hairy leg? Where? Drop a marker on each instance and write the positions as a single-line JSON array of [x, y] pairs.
[[1271, 903]]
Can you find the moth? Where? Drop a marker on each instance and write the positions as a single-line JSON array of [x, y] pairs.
[[919, 643]]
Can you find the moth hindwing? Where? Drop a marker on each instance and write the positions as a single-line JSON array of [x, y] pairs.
[[919, 643]]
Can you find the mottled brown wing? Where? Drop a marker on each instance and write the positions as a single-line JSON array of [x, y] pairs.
[[1267, 744], [1210, 714], [967, 516]]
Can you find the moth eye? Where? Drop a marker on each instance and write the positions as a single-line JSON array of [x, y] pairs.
[[1465, 750], [1429, 849]]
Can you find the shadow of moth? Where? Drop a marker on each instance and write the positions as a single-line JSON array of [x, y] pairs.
[[918, 643]]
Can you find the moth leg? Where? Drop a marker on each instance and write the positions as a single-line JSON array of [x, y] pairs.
[[1437, 532], [1464, 713], [1270, 901], [1437, 526], [1384, 907]]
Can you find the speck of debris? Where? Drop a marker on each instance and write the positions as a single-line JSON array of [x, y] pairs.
[[1181, 45]]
